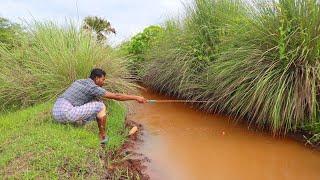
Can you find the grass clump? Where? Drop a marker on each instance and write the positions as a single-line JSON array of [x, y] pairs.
[[188, 46], [48, 59], [257, 60], [9, 32], [270, 73]]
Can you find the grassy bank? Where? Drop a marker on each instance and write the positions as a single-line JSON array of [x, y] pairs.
[[257, 61], [41, 64], [32, 145]]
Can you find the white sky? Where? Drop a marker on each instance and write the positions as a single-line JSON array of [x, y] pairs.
[[127, 16]]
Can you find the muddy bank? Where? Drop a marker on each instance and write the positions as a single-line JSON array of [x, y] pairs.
[[304, 137], [126, 163]]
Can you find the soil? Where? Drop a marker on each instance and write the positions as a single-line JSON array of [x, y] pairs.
[[125, 159]]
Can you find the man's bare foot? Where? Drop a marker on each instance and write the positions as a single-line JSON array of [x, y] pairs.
[[104, 140], [102, 136]]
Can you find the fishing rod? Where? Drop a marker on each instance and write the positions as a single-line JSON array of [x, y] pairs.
[[175, 101]]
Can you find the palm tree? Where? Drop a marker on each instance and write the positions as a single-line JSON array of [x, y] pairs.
[[101, 27]]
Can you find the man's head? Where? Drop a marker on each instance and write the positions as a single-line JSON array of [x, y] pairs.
[[98, 76]]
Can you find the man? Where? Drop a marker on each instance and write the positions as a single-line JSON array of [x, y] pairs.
[[80, 102]]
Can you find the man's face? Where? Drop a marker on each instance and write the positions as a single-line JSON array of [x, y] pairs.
[[100, 81]]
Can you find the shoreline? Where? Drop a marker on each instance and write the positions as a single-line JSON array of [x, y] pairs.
[[125, 158], [138, 163], [300, 135]]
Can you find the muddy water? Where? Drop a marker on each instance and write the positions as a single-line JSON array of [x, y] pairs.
[[183, 143]]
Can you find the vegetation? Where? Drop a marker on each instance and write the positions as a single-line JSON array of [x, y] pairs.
[[99, 26], [41, 65], [136, 48], [33, 146], [258, 61], [9, 32], [48, 60]]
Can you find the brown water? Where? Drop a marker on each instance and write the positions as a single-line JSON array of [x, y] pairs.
[[183, 143]]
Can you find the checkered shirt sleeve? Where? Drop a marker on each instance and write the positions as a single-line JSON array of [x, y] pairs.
[[97, 91]]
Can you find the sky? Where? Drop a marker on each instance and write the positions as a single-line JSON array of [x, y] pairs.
[[128, 17]]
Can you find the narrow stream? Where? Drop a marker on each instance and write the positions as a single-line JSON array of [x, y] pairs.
[[183, 143]]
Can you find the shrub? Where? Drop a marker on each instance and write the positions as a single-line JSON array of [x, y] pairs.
[[139, 44]]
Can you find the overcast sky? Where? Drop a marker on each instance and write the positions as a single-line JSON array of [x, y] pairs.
[[127, 16]]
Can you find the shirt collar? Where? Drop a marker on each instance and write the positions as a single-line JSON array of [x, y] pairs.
[[91, 81]]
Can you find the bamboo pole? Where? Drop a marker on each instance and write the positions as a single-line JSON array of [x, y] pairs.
[[176, 101]]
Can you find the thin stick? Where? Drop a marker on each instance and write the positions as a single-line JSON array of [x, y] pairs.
[[176, 101]]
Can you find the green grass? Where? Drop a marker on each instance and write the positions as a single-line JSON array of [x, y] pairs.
[[43, 62], [33, 146]]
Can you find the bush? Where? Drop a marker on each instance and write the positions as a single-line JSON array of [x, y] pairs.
[[49, 59], [139, 44]]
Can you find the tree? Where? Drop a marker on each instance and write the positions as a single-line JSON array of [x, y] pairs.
[[101, 27], [139, 45], [142, 41]]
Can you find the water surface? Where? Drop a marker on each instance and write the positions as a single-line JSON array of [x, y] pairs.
[[183, 143]]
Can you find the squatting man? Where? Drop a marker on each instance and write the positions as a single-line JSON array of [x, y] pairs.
[[81, 103]]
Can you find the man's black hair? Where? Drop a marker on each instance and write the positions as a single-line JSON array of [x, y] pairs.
[[97, 72]]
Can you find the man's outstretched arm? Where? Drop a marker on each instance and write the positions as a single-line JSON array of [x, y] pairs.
[[124, 97]]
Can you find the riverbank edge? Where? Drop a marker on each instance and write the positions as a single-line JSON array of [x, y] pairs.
[[304, 137], [37, 134], [301, 136], [126, 156]]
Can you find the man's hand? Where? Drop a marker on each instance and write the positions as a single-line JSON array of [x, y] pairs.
[[124, 97], [141, 100]]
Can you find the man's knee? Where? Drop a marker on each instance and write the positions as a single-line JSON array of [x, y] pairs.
[[102, 109], [102, 106]]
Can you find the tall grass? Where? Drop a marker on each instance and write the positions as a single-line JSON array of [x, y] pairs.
[[188, 46], [48, 59], [257, 60]]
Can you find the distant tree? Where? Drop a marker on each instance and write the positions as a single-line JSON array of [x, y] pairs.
[[8, 32], [101, 27], [142, 41], [139, 45]]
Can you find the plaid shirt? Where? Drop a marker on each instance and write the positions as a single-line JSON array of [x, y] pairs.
[[82, 91]]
